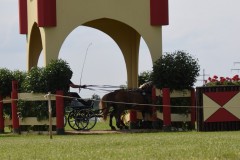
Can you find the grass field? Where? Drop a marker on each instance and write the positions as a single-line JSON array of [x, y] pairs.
[[137, 146]]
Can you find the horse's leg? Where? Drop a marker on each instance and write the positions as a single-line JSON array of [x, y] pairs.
[[110, 122], [143, 122], [118, 121], [117, 115], [146, 124]]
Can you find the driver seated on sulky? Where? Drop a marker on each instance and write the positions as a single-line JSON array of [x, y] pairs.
[[76, 95]]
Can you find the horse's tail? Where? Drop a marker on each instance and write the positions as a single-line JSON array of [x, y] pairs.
[[105, 109]]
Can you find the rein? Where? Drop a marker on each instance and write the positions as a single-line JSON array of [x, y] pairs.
[[106, 88]]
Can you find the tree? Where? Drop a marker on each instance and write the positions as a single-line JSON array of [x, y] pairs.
[[144, 77], [57, 74], [96, 99], [34, 81], [177, 70], [19, 76], [6, 78]]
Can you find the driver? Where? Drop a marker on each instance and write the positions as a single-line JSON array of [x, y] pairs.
[[76, 95]]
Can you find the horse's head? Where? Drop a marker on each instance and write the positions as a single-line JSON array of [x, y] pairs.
[[104, 106], [146, 89]]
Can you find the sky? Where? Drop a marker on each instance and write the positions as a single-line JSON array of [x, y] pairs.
[[209, 30]]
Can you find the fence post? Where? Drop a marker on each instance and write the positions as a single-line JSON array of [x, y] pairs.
[[50, 114], [14, 97], [60, 112], [166, 108], [155, 122], [133, 119], [1, 115], [193, 108]]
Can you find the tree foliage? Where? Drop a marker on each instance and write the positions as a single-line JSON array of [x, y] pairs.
[[177, 70], [34, 81], [57, 74], [19, 76], [6, 78], [144, 77]]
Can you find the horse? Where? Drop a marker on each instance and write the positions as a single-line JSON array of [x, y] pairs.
[[122, 100]]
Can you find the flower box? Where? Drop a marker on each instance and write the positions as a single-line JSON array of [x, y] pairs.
[[218, 108]]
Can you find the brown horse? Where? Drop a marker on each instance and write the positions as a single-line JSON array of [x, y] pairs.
[[122, 100]]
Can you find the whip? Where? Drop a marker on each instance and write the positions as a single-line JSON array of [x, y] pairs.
[[84, 63]]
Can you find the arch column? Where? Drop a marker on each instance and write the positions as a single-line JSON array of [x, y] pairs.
[[44, 40], [34, 46], [51, 45], [153, 39], [131, 56]]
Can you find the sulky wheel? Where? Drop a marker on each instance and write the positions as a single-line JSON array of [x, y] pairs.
[[77, 120], [92, 119]]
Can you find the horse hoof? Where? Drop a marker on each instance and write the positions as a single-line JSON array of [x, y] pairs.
[[126, 127], [113, 128]]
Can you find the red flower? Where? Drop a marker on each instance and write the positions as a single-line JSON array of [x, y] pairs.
[[222, 79], [214, 80], [215, 77], [235, 78]]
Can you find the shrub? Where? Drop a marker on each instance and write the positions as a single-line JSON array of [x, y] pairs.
[[35, 81], [19, 76], [57, 75], [6, 78], [176, 70], [144, 77]]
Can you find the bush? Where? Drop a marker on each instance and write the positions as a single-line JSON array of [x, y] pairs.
[[144, 77], [6, 78], [35, 81], [37, 109], [19, 76], [176, 70], [57, 75]]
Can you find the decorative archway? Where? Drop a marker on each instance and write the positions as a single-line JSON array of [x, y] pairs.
[[48, 22]]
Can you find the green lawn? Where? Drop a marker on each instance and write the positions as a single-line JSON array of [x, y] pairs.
[[137, 146]]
